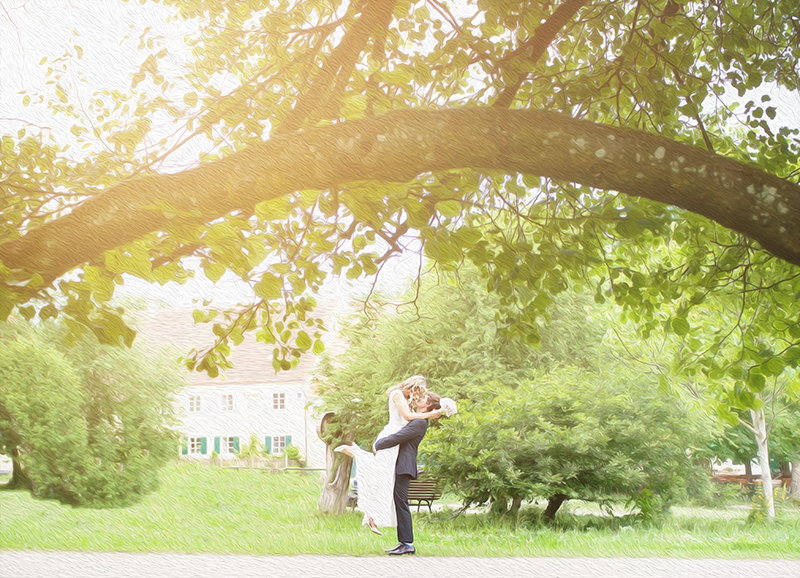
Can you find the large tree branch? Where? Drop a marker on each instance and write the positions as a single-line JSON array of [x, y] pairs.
[[537, 44], [398, 146], [374, 20]]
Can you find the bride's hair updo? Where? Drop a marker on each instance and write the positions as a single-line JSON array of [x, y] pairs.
[[416, 386]]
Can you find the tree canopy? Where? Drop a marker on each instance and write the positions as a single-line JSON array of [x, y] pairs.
[[562, 420], [453, 336], [613, 145], [86, 424]]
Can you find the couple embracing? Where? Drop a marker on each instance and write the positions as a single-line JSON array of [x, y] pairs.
[[383, 477]]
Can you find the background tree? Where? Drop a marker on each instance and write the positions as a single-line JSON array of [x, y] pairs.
[[782, 422], [91, 426], [40, 407], [449, 330], [785, 442], [729, 338]]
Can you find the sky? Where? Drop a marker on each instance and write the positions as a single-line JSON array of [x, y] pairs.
[[107, 32]]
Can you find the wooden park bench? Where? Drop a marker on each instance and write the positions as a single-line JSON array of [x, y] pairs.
[[423, 491], [751, 481], [420, 491]]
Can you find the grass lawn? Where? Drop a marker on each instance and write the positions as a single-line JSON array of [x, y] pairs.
[[203, 509]]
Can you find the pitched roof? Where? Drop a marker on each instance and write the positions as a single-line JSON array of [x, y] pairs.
[[252, 360]]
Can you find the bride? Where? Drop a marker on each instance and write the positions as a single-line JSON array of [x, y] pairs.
[[376, 472]]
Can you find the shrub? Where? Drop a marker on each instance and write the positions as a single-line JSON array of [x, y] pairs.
[[567, 435], [87, 425]]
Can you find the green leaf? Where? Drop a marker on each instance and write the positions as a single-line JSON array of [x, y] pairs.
[[680, 326], [303, 341], [275, 209], [137, 79], [213, 270], [756, 382], [265, 336], [774, 366], [354, 271], [27, 312], [269, 287], [792, 354], [449, 208]]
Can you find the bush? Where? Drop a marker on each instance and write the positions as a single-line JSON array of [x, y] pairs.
[[292, 452], [40, 394], [87, 425], [567, 435]]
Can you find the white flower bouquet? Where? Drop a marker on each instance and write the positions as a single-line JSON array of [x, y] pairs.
[[448, 406]]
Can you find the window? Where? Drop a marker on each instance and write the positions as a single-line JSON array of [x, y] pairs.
[[278, 401], [230, 445], [253, 401], [197, 446], [227, 402], [194, 403], [278, 443]]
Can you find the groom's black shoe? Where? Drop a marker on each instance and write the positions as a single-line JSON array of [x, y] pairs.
[[401, 549]]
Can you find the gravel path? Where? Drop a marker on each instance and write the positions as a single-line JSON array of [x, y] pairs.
[[31, 564]]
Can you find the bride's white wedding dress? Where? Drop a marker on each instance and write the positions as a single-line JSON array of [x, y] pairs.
[[375, 472]]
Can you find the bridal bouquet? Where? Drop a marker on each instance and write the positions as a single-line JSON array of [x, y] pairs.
[[448, 406]]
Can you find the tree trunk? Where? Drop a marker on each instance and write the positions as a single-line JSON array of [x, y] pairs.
[[553, 504], [516, 503], [794, 487], [333, 498], [19, 479], [760, 426]]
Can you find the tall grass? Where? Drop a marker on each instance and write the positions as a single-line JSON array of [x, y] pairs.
[[207, 509]]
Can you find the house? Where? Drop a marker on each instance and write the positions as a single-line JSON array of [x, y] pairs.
[[223, 414]]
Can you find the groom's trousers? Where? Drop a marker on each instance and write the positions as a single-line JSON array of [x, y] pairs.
[[405, 531]]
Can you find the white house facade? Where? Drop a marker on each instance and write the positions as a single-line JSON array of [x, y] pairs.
[[223, 418], [250, 400]]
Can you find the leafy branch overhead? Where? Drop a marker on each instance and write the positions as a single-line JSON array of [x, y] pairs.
[[593, 144]]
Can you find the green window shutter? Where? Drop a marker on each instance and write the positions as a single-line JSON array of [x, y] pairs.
[[268, 444], [203, 446], [184, 445], [216, 445], [288, 441], [236, 444]]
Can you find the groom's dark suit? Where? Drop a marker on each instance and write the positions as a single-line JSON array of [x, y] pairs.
[[408, 439]]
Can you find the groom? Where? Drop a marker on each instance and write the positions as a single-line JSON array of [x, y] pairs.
[[408, 439]]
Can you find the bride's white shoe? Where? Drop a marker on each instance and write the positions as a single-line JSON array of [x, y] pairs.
[[373, 528]]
